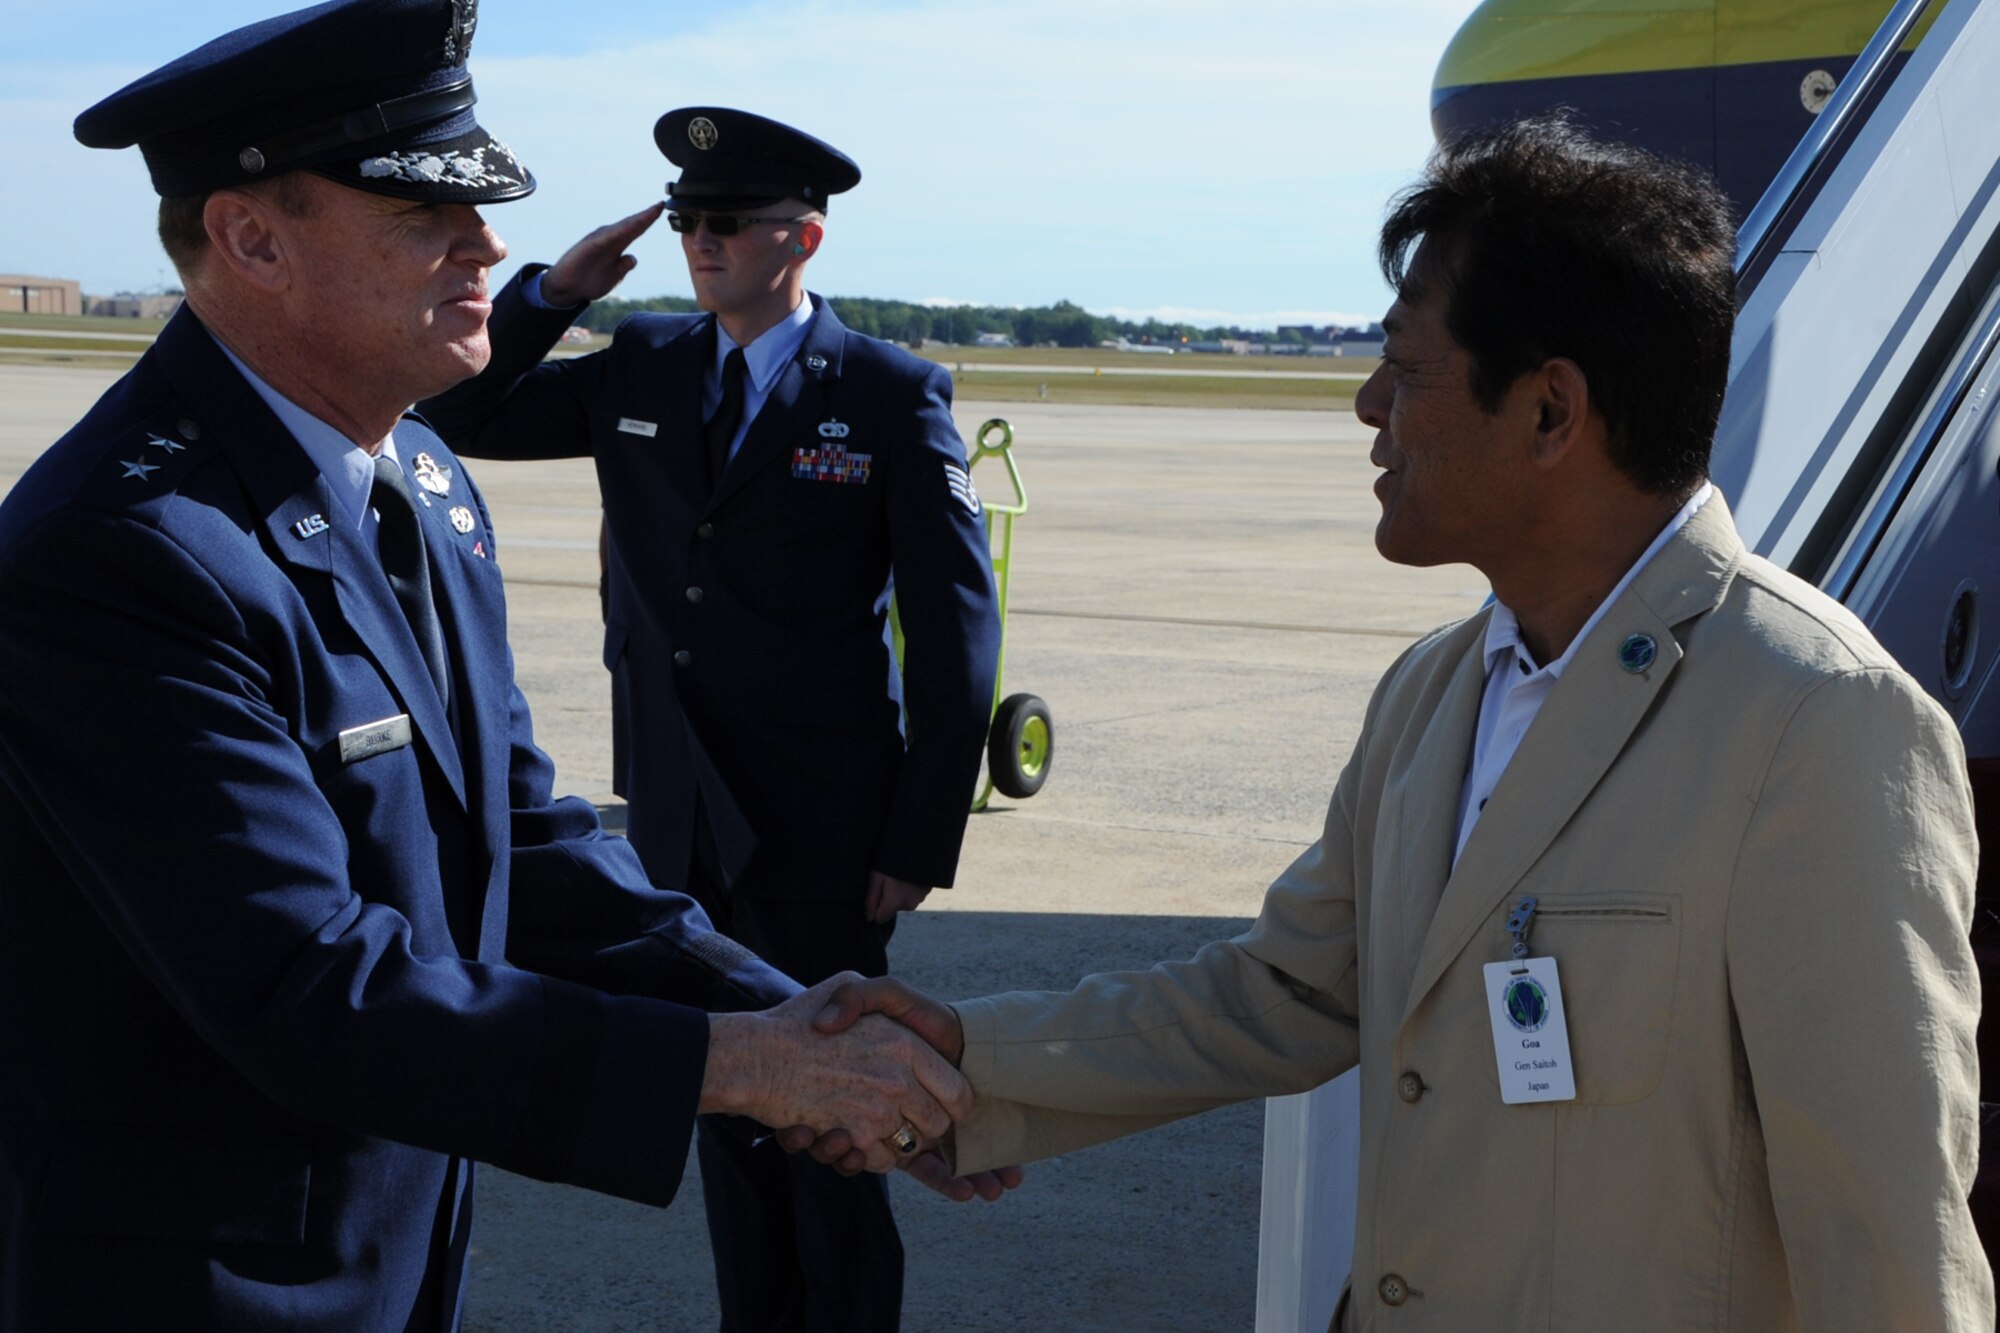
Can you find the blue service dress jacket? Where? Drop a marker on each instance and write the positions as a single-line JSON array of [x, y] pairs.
[[273, 965], [752, 619]]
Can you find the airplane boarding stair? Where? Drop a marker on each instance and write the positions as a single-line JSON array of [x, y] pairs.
[[1859, 446]]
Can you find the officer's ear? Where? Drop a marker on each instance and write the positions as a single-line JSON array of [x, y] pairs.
[[243, 233], [806, 244]]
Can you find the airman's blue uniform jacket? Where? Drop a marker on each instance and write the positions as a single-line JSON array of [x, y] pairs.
[[752, 618], [264, 991]]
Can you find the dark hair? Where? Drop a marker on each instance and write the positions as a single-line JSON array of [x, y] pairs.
[[184, 235], [1548, 243]]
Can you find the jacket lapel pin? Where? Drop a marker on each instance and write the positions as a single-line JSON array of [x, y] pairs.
[[431, 475], [1637, 652]]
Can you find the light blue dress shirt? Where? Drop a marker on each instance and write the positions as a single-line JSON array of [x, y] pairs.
[[348, 468]]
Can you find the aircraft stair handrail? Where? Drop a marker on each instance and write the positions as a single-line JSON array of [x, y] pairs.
[[1970, 368], [1782, 202]]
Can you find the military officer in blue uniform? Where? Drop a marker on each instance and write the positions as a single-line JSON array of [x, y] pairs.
[[291, 926], [769, 479]]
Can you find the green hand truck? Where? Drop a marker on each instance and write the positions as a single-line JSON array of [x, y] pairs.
[[1021, 738]]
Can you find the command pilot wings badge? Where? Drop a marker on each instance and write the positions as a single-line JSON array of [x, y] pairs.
[[431, 475]]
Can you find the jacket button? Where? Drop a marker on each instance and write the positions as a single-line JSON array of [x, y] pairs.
[[705, 531], [1410, 1087], [694, 594], [1393, 1290], [683, 657]]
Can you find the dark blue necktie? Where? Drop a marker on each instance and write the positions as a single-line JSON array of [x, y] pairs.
[[720, 430], [402, 547]]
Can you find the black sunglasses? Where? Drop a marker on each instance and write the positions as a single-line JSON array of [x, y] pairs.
[[719, 224]]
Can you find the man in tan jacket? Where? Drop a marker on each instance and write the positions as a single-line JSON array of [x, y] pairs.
[[1643, 901]]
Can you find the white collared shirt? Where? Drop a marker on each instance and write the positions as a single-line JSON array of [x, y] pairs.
[[764, 359], [1516, 688], [348, 468]]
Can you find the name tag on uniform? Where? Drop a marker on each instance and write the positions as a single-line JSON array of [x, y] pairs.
[[634, 426], [373, 738], [1530, 1033]]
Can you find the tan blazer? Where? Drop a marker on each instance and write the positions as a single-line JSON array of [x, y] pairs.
[[1755, 865]]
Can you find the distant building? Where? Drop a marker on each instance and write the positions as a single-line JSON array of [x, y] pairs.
[[1359, 342], [23, 295], [1328, 340], [992, 340], [127, 306], [1233, 346]]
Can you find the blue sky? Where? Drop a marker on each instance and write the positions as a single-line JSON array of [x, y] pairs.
[[1219, 162]]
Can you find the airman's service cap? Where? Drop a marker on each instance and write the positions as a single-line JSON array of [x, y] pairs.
[[732, 160], [373, 94]]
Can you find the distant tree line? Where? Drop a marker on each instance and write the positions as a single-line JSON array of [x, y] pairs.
[[1065, 324]]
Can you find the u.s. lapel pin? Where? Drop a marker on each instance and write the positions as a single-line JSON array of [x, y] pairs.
[[1637, 652], [312, 525]]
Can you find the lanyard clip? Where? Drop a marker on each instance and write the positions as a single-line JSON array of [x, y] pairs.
[[1519, 921]]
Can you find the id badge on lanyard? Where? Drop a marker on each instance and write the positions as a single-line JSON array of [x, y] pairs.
[[1530, 1033]]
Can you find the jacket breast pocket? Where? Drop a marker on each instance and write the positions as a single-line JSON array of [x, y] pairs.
[[146, 1184], [1618, 956]]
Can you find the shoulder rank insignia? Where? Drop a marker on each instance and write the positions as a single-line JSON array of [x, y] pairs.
[[959, 482], [431, 475], [137, 467]]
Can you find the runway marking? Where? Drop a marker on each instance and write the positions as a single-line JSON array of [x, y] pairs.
[[1364, 631], [1021, 809], [1359, 631]]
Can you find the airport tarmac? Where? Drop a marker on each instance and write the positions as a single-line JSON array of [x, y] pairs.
[[1196, 595]]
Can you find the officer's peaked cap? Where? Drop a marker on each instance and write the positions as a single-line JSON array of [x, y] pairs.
[[732, 160], [373, 94]]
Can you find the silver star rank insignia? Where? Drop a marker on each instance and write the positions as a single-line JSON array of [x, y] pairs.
[[162, 442], [137, 467]]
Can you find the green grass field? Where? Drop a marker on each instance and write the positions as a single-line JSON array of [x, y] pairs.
[[79, 323], [70, 343], [1075, 375], [1177, 390]]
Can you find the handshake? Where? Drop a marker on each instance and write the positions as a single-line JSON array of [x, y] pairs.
[[863, 1074]]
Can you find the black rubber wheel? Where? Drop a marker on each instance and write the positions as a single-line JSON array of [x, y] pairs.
[[1019, 746]]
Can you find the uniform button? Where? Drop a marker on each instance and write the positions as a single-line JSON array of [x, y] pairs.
[[694, 594], [683, 657], [1410, 1087], [705, 531], [1393, 1290]]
